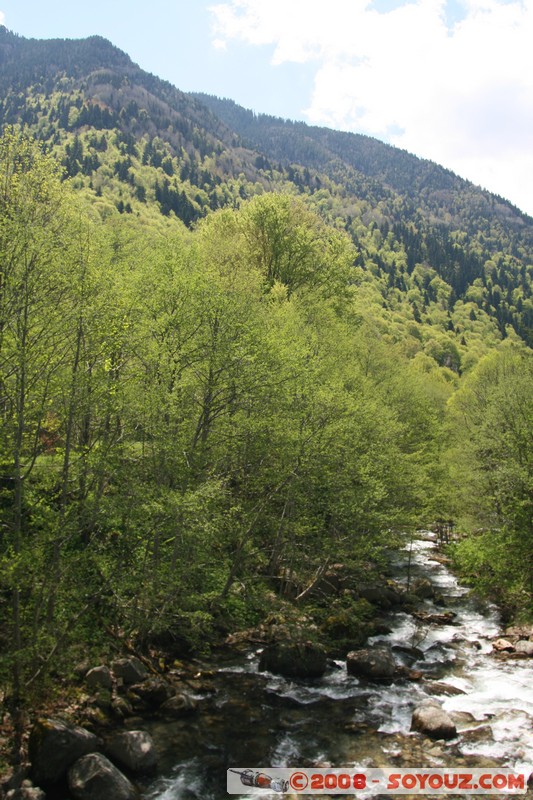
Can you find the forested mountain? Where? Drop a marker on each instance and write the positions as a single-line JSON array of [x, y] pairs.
[[233, 351], [436, 216], [201, 153]]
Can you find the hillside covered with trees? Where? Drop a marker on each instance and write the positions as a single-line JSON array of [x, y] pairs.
[[233, 351]]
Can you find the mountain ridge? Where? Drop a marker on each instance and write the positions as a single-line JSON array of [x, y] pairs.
[[190, 153], [265, 131]]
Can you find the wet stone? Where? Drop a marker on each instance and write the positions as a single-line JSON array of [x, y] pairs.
[[408, 655], [483, 733], [462, 717], [525, 647], [440, 687], [430, 719], [375, 663], [294, 659], [178, 706]]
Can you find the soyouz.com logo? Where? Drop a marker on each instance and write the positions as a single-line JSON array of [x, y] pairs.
[[366, 782]]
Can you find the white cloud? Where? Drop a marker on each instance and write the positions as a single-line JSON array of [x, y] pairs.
[[2, 18], [460, 94]]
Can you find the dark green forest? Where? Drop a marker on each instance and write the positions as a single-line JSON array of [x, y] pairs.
[[235, 350]]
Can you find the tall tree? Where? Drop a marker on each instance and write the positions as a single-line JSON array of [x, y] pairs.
[[34, 293], [491, 458]]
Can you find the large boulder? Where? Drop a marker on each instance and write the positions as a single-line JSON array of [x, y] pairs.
[[431, 719], [134, 750], [129, 670], [99, 678], [445, 618], [502, 645], [94, 777], [524, 646], [54, 746], [380, 595], [375, 663], [294, 659]]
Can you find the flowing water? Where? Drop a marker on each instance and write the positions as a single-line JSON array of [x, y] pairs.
[[253, 719]]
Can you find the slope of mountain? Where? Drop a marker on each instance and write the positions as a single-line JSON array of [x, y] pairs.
[[138, 144], [106, 88], [321, 147], [449, 213]]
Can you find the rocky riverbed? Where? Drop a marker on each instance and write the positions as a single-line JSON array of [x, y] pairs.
[[443, 654], [439, 684]]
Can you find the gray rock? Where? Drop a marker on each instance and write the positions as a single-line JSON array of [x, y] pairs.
[[375, 663], [524, 646], [446, 618], [99, 678], [121, 708], [131, 670], [179, 706], [429, 718], [407, 655], [439, 687], [483, 733], [462, 717], [54, 746], [153, 692], [294, 659], [380, 595], [94, 777], [134, 750]]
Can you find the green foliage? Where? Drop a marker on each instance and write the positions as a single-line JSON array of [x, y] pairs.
[[345, 624], [221, 367], [492, 561], [491, 469], [205, 417]]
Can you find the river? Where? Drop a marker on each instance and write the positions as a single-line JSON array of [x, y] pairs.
[[253, 719]]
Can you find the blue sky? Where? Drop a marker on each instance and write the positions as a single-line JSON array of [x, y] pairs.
[[449, 80], [174, 40]]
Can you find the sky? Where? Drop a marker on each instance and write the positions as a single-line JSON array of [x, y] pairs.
[[448, 80]]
